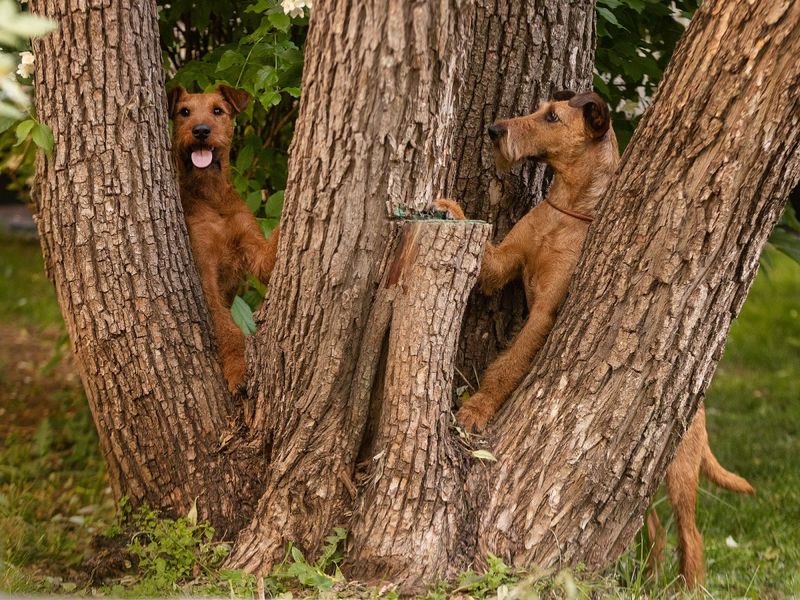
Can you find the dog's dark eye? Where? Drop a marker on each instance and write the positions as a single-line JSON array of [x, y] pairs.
[[551, 117], [184, 112], [217, 110]]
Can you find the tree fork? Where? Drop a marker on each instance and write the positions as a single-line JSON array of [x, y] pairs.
[[409, 512]]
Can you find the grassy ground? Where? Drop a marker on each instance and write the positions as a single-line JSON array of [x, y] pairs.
[[54, 496]]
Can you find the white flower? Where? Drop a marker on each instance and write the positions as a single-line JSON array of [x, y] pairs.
[[25, 68], [730, 542], [295, 8]]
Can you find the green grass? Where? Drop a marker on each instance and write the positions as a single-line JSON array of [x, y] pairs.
[[753, 421], [26, 295], [754, 429], [54, 496]]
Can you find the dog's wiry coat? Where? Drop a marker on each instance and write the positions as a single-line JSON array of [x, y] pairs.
[[225, 237]]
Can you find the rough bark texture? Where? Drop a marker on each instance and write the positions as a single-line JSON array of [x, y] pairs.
[[116, 248], [412, 506], [519, 53], [668, 265], [373, 135]]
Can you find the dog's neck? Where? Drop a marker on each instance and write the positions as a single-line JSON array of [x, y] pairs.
[[579, 186]]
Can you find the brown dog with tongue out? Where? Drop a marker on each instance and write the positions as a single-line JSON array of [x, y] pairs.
[[226, 239]]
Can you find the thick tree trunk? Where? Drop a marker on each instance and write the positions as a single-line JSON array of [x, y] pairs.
[[373, 136], [116, 248], [668, 265], [518, 55]]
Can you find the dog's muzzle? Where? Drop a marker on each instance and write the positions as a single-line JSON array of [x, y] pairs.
[[201, 132]]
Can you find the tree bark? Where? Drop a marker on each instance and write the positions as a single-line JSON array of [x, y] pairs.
[[668, 265], [373, 136], [412, 506], [115, 245], [519, 54]]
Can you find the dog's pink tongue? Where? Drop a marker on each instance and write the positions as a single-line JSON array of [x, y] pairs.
[[202, 158]]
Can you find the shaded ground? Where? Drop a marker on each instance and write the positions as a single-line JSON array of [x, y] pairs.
[[54, 495]]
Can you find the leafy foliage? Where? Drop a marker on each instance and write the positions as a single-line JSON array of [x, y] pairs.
[[635, 41], [480, 585], [169, 552], [18, 144]]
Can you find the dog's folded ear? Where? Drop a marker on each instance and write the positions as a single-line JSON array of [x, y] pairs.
[[238, 99], [563, 95], [595, 113], [173, 96]]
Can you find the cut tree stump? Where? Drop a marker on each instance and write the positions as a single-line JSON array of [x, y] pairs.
[[411, 502]]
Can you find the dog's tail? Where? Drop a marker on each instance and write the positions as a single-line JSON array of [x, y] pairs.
[[450, 206], [721, 476]]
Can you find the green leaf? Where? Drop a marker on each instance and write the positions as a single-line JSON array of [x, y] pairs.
[[253, 200], [231, 58], [608, 16], [280, 21], [270, 99], [6, 123], [274, 205], [243, 316], [245, 158], [294, 92], [23, 129], [43, 137]]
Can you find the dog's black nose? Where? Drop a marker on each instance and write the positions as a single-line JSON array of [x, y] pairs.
[[497, 131], [201, 132]]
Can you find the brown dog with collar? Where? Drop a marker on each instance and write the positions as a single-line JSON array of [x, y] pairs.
[[573, 134], [225, 237]]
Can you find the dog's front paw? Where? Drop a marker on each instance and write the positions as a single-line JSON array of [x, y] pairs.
[[234, 373], [474, 414], [451, 207]]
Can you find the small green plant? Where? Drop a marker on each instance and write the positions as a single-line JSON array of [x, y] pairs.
[[487, 583], [172, 552], [323, 574]]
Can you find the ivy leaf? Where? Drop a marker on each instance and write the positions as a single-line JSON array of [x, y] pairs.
[[243, 316]]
